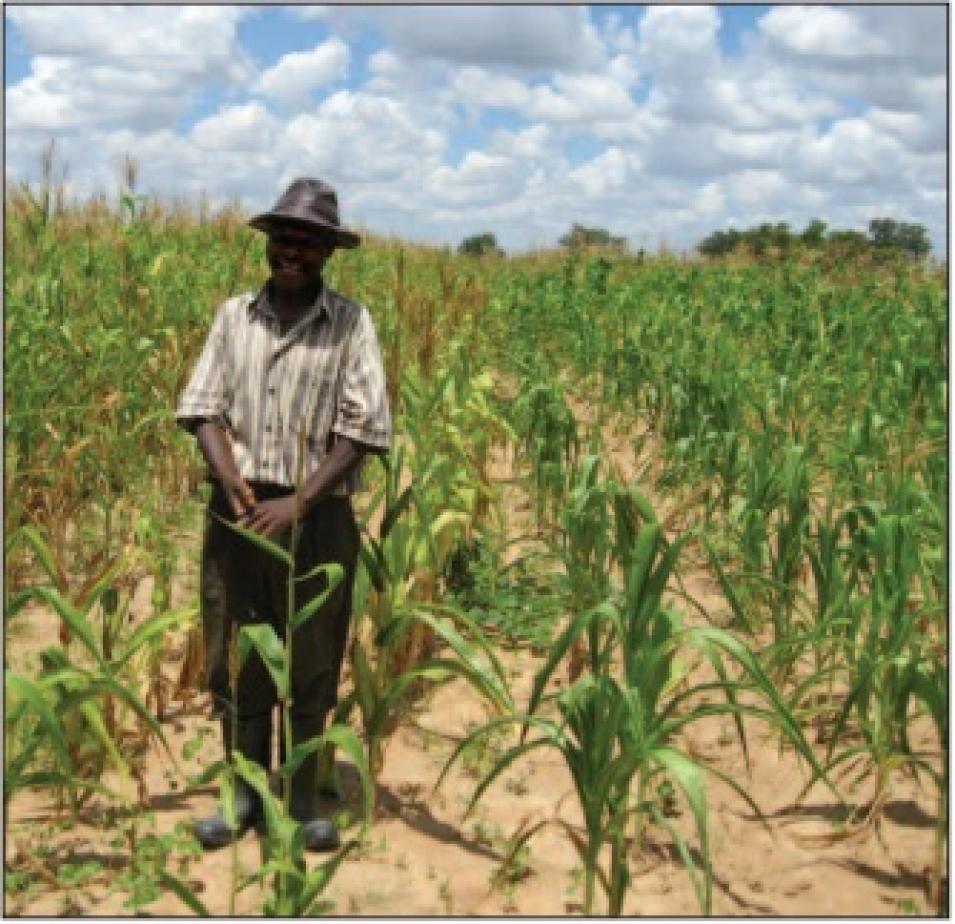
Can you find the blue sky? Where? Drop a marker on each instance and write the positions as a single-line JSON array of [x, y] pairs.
[[658, 123]]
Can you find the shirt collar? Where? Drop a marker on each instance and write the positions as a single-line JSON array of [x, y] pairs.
[[321, 306]]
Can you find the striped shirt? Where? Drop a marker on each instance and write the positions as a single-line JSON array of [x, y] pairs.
[[268, 388]]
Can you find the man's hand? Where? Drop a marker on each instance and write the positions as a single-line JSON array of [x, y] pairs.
[[240, 494], [270, 517], [216, 448]]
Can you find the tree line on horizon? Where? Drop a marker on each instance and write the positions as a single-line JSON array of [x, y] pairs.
[[884, 235]]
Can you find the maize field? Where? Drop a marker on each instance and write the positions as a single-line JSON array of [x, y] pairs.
[[651, 616]]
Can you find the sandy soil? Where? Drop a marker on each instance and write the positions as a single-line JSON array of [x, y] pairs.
[[422, 857]]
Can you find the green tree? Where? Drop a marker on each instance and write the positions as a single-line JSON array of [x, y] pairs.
[[913, 239], [719, 243], [847, 242], [582, 236], [814, 234], [477, 245]]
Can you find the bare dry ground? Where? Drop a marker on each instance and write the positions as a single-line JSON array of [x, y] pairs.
[[422, 857]]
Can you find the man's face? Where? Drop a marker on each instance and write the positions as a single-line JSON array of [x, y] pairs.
[[296, 256]]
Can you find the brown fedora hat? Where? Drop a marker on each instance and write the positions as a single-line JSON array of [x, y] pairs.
[[308, 203]]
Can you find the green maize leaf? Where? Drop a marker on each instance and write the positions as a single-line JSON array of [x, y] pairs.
[[742, 793], [648, 540], [183, 892], [345, 738], [330, 568], [702, 889], [376, 567], [505, 761], [76, 621], [289, 871], [152, 628], [931, 689], [728, 591], [485, 676], [335, 575], [123, 693], [653, 591], [257, 539], [642, 503], [364, 680], [207, 775], [299, 753], [686, 774], [390, 697], [98, 584], [318, 879], [394, 511], [901, 698], [842, 718], [227, 796], [560, 647], [95, 722], [279, 824], [664, 726], [15, 603], [849, 754], [489, 727], [31, 693], [43, 553], [728, 688], [262, 637], [442, 669], [439, 534], [764, 685]]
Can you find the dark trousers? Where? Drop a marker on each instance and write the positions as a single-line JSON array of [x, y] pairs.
[[241, 584]]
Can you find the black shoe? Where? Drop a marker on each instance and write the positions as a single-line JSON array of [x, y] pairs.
[[215, 831], [320, 833], [254, 741]]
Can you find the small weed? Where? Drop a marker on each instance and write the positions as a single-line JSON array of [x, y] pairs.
[[517, 785], [73, 874], [576, 876], [481, 755], [517, 603], [444, 893], [487, 834], [71, 908], [666, 795], [515, 868], [18, 882]]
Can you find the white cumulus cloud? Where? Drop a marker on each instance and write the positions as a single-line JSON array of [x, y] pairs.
[[822, 31], [298, 74]]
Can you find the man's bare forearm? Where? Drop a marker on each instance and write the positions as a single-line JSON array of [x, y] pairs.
[[217, 451], [344, 458]]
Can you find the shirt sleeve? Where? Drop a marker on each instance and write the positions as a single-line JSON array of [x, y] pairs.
[[362, 412], [205, 397]]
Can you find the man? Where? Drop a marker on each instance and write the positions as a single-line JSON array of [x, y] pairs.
[[289, 386]]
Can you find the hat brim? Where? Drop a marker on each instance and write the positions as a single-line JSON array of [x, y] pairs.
[[267, 221]]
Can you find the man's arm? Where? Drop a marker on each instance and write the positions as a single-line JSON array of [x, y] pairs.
[[270, 517], [217, 451]]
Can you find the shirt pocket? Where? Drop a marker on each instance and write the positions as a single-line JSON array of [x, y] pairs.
[[318, 406]]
